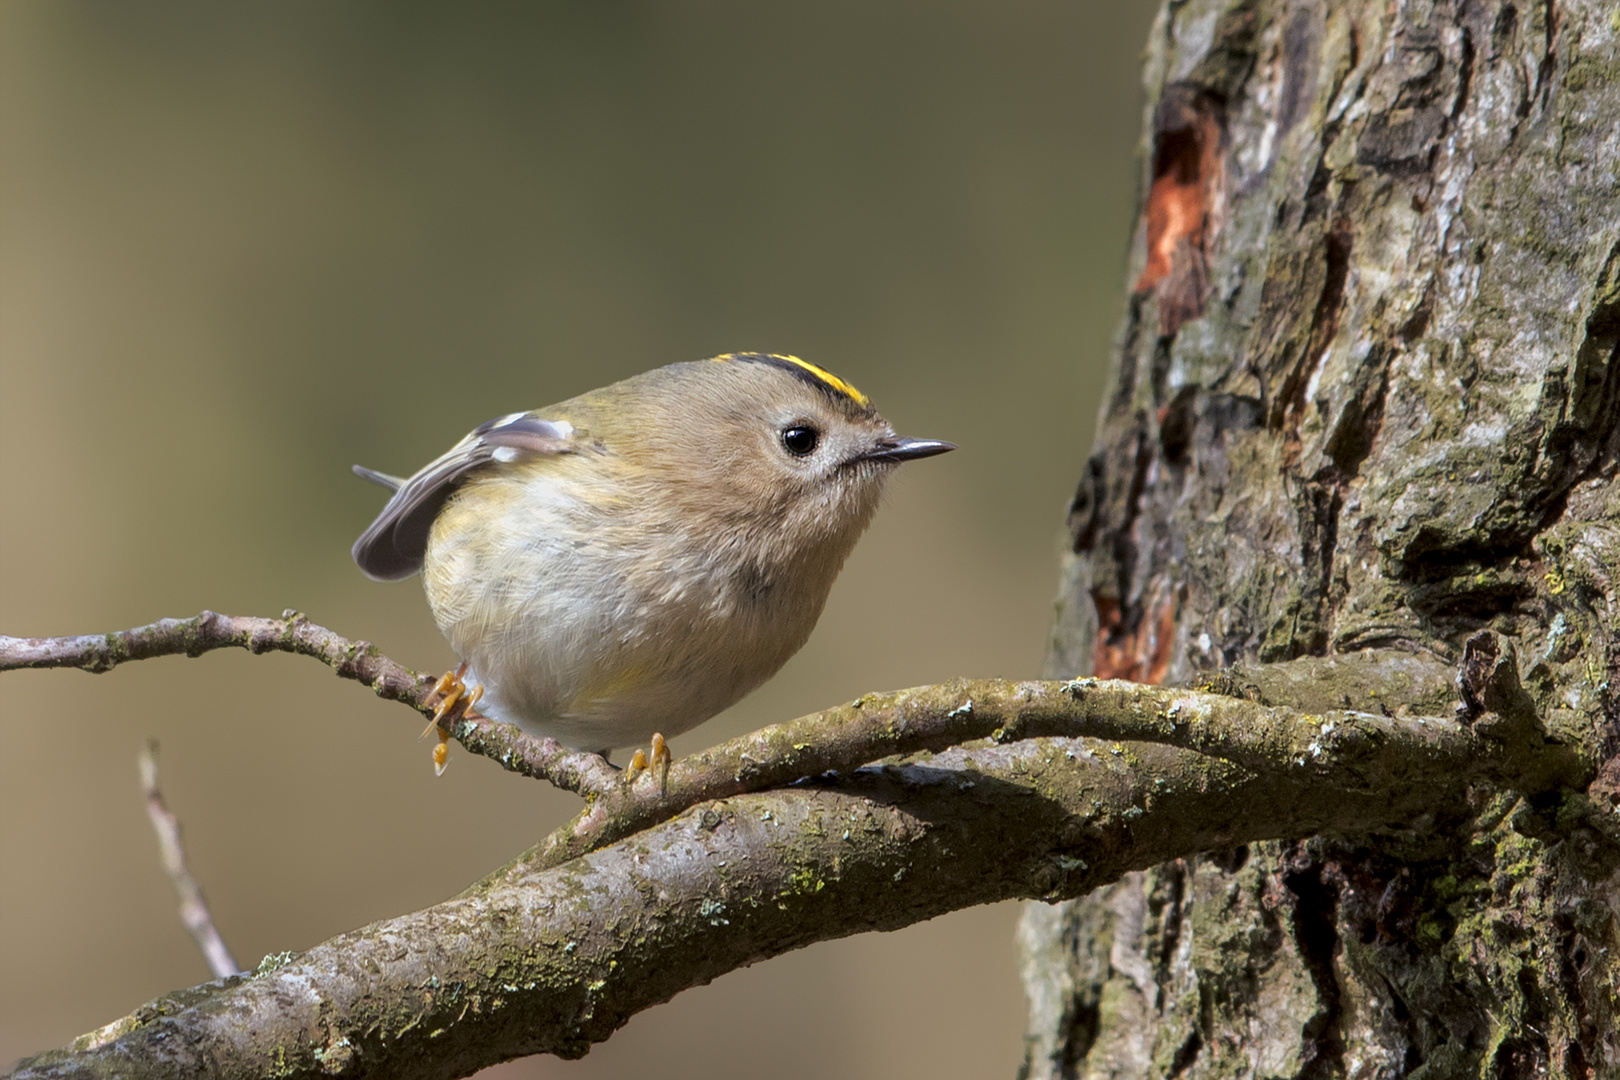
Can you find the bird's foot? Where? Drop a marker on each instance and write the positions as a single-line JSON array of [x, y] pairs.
[[660, 762], [454, 702]]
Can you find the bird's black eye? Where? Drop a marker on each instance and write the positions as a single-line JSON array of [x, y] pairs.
[[800, 440]]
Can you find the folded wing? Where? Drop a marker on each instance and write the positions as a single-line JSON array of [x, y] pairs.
[[393, 546]]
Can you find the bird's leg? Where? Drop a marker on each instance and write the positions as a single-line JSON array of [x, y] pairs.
[[455, 701], [660, 761]]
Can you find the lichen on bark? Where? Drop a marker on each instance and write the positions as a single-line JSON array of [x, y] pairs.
[[1366, 396]]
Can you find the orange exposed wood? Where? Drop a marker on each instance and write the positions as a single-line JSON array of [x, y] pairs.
[[1175, 218], [1180, 218], [1140, 654]]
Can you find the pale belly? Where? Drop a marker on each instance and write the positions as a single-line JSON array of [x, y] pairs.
[[602, 640]]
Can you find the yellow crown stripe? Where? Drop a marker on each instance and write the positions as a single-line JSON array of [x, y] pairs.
[[820, 374], [831, 380]]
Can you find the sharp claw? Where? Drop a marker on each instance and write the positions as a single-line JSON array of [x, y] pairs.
[[448, 690], [450, 687], [661, 758], [448, 703], [660, 762], [455, 701]]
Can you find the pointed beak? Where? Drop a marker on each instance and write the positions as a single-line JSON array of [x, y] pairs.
[[905, 449]]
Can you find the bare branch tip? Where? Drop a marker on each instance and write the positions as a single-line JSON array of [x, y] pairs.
[[194, 913]]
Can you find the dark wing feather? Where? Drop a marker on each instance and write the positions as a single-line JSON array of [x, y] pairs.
[[393, 546]]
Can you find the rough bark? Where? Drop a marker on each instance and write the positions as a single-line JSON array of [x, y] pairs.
[[1366, 395]]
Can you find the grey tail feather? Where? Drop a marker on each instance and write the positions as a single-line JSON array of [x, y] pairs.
[[392, 483]]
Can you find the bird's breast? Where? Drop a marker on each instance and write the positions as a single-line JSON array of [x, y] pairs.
[[599, 628]]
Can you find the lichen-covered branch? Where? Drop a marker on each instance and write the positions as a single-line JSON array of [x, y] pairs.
[[660, 886], [554, 960], [1261, 736], [1254, 733]]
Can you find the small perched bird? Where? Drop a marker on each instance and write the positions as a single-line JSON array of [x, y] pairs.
[[626, 564]]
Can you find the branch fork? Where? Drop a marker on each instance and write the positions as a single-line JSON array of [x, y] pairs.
[[777, 839]]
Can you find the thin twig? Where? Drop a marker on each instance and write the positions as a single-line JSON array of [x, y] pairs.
[[193, 908], [579, 771], [542, 759]]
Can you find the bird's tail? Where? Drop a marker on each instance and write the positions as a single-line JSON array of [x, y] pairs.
[[382, 479]]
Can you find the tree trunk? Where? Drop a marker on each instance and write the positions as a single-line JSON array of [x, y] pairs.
[[1366, 397]]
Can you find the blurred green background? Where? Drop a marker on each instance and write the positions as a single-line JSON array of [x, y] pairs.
[[243, 246]]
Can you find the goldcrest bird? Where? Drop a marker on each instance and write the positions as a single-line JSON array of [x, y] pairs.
[[628, 563]]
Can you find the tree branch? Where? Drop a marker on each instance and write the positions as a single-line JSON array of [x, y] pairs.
[[554, 960], [873, 727], [930, 718], [517, 751], [655, 888], [292, 633]]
